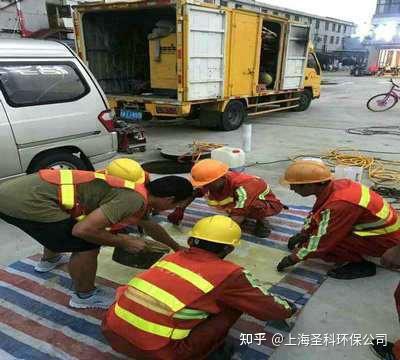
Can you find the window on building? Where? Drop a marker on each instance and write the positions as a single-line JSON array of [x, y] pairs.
[[380, 6], [297, 18], [325, 39], [64, 11], [317, 24], [332, 39], [344, 29], [339, 28], [337, 40], [36, 84], [276, 13], [238, 6], [327, 26], [333, 27], [388, 7], [287, 16], [223, 2]]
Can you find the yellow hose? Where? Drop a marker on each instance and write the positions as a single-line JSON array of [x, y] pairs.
[[379, 171]]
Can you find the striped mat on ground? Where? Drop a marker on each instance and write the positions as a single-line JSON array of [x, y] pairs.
[[36, 322]]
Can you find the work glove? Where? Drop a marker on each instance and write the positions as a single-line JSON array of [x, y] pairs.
[[176, 216], [284, 263], [296, 240]]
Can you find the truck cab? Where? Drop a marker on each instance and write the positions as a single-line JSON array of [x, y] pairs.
[[312, 80]]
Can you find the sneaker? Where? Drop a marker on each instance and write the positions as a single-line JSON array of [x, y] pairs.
[[100, 299], [383, 351], [352, 271], [263, 229], [44, 265]]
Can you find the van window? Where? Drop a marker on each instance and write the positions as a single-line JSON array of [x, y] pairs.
[[39, 84], [312, 63]]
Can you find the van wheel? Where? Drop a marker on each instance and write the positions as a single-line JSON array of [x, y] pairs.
[[233, 116], [305, 100], [62, 161]]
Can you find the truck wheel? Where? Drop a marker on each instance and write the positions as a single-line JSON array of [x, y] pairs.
[[233, 116], [305, 100], [61, 160]]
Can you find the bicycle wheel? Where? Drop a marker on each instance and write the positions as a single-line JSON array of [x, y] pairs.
[[382, 102]]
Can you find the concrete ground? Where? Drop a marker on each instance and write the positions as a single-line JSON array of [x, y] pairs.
[[339, 307]]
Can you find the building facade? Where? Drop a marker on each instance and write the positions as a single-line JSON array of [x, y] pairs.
[[328, 35], [384, 40], [35, 18]]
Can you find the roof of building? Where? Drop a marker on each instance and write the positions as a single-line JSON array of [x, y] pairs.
[[33, 48], [302, 13]]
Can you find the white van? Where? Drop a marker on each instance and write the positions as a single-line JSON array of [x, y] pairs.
[[53, 112]]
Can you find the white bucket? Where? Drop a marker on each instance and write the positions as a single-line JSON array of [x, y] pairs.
[[349, 172], [234, 157]]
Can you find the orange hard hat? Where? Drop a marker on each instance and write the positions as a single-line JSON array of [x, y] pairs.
[[206, 171], [306, 172]]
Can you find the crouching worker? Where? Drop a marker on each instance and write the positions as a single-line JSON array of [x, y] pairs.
[[71, 210], [183, 307], [242, 196], [348, 222]]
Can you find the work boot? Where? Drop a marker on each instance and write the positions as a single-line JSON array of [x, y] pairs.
[[383, 351], [262, 229], [352, 271], [224, 352]]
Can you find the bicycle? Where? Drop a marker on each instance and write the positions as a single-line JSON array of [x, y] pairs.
[[383, 102]]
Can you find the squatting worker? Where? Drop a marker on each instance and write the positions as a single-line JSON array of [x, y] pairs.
[[242, 196], [70, 210], [183, 307], [348, 222]]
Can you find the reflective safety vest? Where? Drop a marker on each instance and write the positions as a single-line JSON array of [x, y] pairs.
[[361, 195], [155, 306], [67, 192], [234, 192]]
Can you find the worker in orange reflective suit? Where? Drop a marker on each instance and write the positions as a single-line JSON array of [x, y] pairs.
[[390, 351], [184, 305], [347, 223], [242, 196]]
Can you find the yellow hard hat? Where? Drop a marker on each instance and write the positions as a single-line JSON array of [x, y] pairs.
[[306, 172], [218, 229], [126, 169], [206, 171]]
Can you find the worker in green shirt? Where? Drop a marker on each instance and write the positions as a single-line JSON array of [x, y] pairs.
[[71, 211]]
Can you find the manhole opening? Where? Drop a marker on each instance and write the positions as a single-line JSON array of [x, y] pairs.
[[164, 167]]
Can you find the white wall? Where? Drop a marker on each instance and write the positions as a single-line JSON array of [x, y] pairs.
[[34, 12]]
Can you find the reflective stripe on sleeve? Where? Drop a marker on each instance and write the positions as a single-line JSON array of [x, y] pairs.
[[242, 197], [314, 240]]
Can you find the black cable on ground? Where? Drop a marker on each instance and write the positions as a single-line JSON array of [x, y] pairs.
[[375, 130], [392, 195], [267, 163]]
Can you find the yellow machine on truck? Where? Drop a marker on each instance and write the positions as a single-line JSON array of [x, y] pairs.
[[187, 59]]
